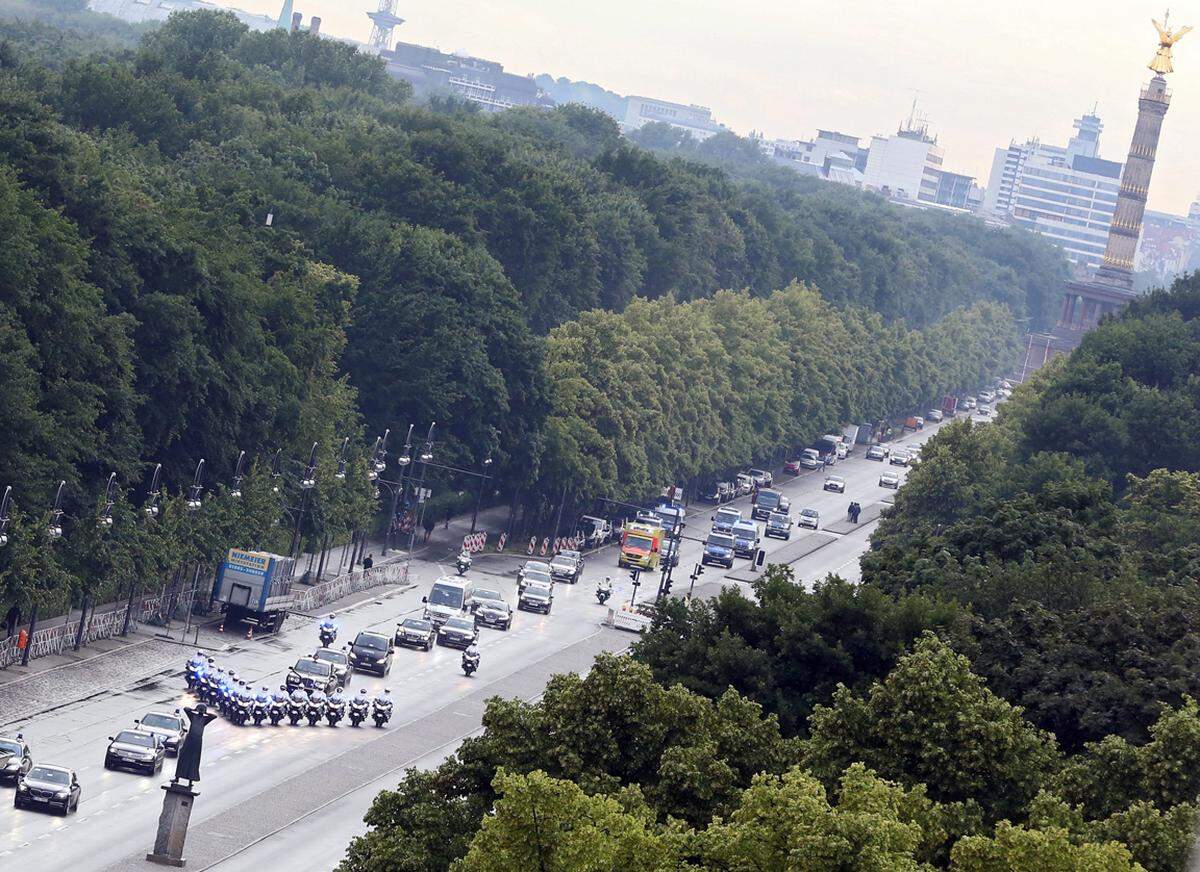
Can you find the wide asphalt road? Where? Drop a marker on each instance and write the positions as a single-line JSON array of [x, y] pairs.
[[293, 796]]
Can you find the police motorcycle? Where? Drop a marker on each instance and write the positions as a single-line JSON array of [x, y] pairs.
[[327, 630], [213, 680], [381, 709], [360, 708], [470, 660], [279, 705], [262, 706], [194, 673], [315, 710], [604, 590], [335, 709], [243, 708], [228, 697], [297, 703], [463, 563]]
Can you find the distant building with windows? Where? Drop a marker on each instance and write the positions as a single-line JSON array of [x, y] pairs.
[[696, 120], [907, 167], [835, 156], [1066, 194], [1169, 246], [478, 81]]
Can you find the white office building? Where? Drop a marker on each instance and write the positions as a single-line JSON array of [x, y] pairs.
[[1066, 194], [696, 120], [905, 166]]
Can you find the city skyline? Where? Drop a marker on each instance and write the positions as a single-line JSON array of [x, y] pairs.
[[982, 76]]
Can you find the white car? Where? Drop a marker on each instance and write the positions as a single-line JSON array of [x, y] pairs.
[[985, 409], [935, 415], [899, 457], [889, 479], [809, 518], [877, 452], [835, 483]]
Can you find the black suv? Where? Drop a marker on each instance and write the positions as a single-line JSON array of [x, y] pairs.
[[372, 652]]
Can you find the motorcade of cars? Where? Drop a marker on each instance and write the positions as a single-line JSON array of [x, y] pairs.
[[15, 758], [372, 652], [536, 597], [745, 538], [458, 632], [766, 502], [809, 518], [493, 611], [887, 478], [311, 675], [761, 477], [48, 787], [778, 526], [566, 566], [448, 596], [415, 633], [724, 519], [877, 452], [170, 728], [339, 659], [532, 565], [810, 458], [718, 549], [899, 457], [135, 749], [834, 483], [532, 576]]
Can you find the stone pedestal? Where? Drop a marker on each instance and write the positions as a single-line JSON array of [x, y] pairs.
[[173, 825]]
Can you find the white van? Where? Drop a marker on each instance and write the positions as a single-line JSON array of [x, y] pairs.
[[447, 599]]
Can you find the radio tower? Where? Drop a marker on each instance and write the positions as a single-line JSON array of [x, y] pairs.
[[384, 21]]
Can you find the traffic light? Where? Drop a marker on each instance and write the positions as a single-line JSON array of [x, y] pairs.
[[635, 575]]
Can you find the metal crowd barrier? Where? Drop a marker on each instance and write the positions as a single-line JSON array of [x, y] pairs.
[[311, 598]]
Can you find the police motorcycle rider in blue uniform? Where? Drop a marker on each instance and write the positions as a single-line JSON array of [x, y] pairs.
[[360, 708], [316, 707], [327, 630], [297, 703], [279, 703], [381, 708], [335, 708]]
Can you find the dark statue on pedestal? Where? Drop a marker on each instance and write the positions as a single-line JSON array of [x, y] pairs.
[[187, 764]]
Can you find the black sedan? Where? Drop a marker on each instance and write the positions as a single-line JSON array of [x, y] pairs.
[[493, 613], [311, 674], [536, 598], [15, 758], [458, 633], [135, 749], [415, 633], [48, 787]]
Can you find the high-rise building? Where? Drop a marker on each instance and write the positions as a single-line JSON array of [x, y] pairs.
[[907, 167], [1067, 194]]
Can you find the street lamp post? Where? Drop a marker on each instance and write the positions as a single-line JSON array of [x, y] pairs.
[[150, 509], [307, 482], [53, 533], [425, 457], [104, 522], [239, 473]]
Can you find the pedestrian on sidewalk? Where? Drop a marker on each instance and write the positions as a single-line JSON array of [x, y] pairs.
[[368, 562], [429, 523], [857, 510]]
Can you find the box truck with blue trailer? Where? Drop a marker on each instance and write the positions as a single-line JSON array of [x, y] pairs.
[[255, 587]]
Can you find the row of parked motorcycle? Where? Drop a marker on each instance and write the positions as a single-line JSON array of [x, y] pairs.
[[237, 701]]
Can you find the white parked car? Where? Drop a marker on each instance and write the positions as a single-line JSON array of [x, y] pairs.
[[889, 479]]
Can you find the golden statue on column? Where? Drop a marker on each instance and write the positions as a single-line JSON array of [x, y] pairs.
[[1166, 38]]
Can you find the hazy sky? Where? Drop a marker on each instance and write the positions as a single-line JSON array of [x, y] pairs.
[[984, 72]]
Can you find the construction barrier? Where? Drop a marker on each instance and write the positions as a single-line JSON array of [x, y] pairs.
[[545, 546], [311, 598], [532, 545], [501, 541]]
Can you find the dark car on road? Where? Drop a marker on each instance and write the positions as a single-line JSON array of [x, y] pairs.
[[343, 669], [311, 674], [566, 566], [135, 749], [15, 758], [415, 633], [766, 502], [492, 611], [458, 633], [718, 549], [170, 729], [372, 652], [539, 566], [536, 597], [48, 787]]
